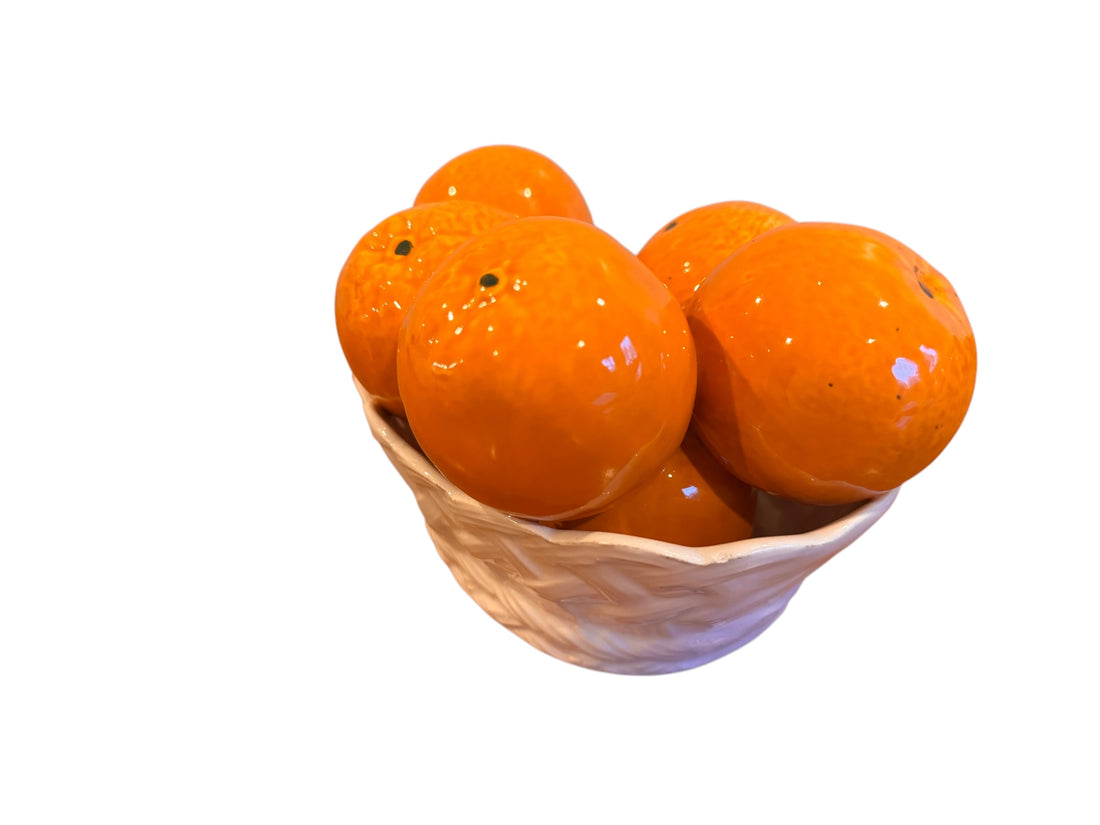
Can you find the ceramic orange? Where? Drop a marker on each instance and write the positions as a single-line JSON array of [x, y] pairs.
[[544, 370], [381, 277], [692, 500], [511, 178], [685, 250], [834, 362]]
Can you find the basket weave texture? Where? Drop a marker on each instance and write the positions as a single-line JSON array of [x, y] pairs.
[[611, 602]]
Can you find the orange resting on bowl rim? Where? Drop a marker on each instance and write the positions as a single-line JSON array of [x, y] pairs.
[[834, 362], [511, 178], [544, 370], [381, 277]]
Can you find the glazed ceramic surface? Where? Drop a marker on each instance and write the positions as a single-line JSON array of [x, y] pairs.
[[618, 603]]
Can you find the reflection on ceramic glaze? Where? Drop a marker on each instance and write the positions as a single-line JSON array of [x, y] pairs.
[[905, 371], [691, 491], [609, 363], [629, 353], [606, 398], [930, 355]]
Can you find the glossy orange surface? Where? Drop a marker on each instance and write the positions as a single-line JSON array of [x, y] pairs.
[[544, 370], [685, 250], [692, 500], [512, 178], [381, 277], [834, 362]]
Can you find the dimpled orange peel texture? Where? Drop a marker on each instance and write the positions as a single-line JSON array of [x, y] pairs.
[[693, 501], [685, 250], [381, 277], [834, 362], [544, 370], [511, 178]]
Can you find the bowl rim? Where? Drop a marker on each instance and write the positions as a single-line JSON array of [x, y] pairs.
[[834, 535]]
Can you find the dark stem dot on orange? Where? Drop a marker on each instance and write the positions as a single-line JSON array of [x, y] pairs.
[[925, 288], [403, 248], [672, 224], [489, 279]]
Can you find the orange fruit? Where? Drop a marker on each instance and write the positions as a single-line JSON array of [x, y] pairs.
[[381, 277], [683, 252], [693, 500], [834, 362], [544, 370], [512, 178]]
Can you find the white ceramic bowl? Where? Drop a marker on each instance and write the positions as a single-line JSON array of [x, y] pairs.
[[619, 603]]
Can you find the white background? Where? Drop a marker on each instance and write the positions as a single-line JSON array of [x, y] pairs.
[[217, 600]]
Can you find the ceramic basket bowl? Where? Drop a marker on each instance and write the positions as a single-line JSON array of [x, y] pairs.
[[619, 603]]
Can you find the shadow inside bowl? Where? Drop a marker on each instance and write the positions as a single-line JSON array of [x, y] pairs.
[[776, 516]]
